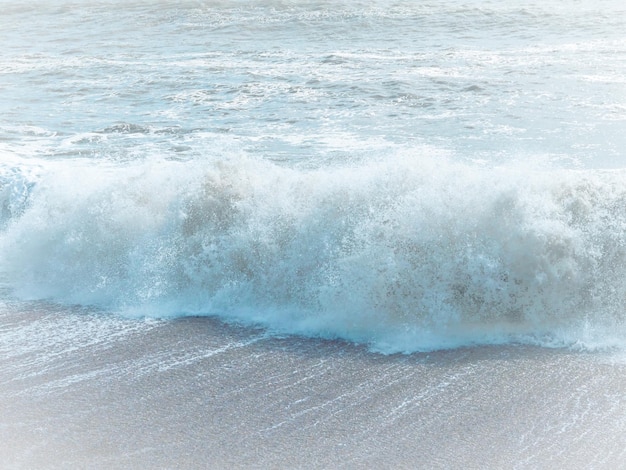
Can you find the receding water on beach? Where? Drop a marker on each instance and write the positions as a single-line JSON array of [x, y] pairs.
[[379, 233]]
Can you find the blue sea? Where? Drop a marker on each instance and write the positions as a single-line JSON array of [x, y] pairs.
[[215, 215], [404, 174]]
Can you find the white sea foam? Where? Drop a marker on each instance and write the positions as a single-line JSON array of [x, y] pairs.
[[405, 254], [332, 169]]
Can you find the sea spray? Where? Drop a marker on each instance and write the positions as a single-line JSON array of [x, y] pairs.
[[405, 253]]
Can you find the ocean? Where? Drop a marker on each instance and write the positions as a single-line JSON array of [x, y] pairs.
[[312, 234]]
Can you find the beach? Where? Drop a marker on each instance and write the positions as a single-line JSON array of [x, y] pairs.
[[81, 391], [312, 234]]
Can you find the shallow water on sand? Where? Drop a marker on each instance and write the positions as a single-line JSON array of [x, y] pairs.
[[82, 390]]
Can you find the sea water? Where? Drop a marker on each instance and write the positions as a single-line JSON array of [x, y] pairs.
[[409, 175]]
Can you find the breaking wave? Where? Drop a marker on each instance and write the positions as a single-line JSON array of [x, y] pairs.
[[405, 254]]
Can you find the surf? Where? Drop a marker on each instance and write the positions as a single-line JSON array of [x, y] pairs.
[[404, 254]]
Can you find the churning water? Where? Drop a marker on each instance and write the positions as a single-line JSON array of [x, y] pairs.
[[411, 175]]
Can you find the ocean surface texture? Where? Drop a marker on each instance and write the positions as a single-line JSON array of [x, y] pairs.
[[401, 176]]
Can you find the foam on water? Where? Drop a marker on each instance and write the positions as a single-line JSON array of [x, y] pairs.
[[404, 254], [338, 169]]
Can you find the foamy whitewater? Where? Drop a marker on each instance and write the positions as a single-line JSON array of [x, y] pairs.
[[407, 175]]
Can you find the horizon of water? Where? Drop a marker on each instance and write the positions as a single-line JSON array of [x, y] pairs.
[[408, 175]]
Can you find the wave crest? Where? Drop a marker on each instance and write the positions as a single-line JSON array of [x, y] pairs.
[[409, 254]]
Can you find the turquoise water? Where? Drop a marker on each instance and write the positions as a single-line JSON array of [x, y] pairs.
[[403, 174]]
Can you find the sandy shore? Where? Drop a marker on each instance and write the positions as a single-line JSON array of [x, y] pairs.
[[87, 390]]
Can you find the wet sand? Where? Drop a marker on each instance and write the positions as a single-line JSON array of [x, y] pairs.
[[88, 390]]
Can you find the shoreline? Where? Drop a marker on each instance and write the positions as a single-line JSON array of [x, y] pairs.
[[94, 391]]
